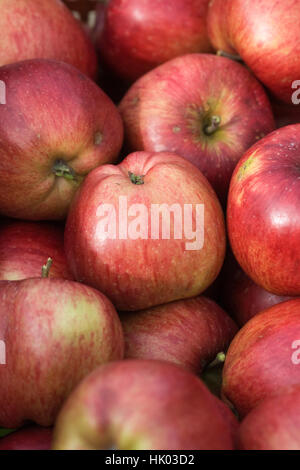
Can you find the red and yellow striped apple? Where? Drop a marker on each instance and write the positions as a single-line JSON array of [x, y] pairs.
[[265, 34], [129, 231], [134, 36], [208, 109], [55, 127], [141, 405], [44, 29], [24, 247], [187, 332], [55, 332], [263, 215]]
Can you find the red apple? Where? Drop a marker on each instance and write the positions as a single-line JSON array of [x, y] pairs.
[[141, 405], [263, 358], [263, 212], [44, 29], [285, 114], [134, 36], [31, 438], [129, 231], [55, 127], [55, 332], [265, 34], [207, 109], [240, 296], [24, 247], [273, 425], [188, 332]]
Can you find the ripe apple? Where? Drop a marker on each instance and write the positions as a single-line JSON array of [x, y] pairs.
[[265, 34], [55, 127], [285, 114], [55, 332], [263, 358], [44, 29], [273, 425], [24, 247], [141, 405], [134, 36], [187, 332], [263, 212], [29, 438], [208, 109], [240, 296], [129, 231]]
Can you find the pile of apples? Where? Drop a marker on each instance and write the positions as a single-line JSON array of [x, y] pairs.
[[114, 335]]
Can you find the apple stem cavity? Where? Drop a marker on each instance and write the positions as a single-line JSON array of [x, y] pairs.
[[61, 168], [46, 268], [235, 57], [136, 179], [212, 125]]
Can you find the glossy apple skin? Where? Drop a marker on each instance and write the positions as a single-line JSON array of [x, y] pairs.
[[188, 332], [141, 405], [167, 110], [273, 425], [56, 332], [134, 36], [263, 215], [26, 246], [31, 438], [141, 273], [44, 29], [240, 296], [259, 362], [53, 113], [249, 28]]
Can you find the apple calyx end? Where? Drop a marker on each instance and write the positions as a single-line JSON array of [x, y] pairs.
[[61, 168], [212, 125], [136, 179], [46, 268]]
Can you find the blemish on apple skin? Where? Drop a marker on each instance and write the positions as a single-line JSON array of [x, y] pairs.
[[176, 129], [135, 100], [98, 138], [244, 168]]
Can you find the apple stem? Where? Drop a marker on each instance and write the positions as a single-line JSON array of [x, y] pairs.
[[61, 168], [212, 124], [136, 179], [220, 359], [235, 57], [46, 268]]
